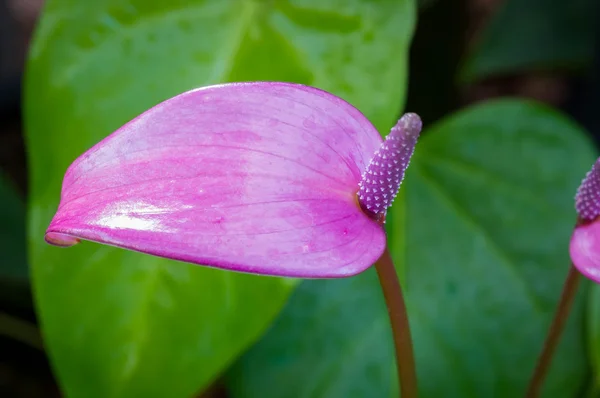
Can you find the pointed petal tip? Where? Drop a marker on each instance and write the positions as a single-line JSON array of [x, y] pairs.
[[584, 250], [61, 240]]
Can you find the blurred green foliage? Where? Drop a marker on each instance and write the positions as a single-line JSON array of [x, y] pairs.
[[122, 324], [526, 35], [480, 237], [593, 337]]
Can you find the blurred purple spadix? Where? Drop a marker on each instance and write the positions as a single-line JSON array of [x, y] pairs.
[[585, 241], [259, 177]]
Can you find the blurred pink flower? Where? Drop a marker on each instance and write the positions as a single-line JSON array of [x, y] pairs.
[[264, 177], [585, 241]]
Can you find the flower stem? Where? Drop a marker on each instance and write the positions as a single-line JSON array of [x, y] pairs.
[[392, 291], [560, 317], [20, 330]]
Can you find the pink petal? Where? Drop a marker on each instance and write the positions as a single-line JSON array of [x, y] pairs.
[[585, 250], [253, 177]]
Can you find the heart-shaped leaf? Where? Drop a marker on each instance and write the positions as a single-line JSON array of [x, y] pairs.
[[121, 324], [480, 238]]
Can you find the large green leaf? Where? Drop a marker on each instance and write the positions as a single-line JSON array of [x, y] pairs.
[[534, 34], [480, 237], [121, 324]]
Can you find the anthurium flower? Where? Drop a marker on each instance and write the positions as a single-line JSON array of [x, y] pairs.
[[585, 241], [584, 249], [263, 177]]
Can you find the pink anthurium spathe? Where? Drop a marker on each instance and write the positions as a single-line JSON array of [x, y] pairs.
[[584, 249], [585, 241], [263, 177]]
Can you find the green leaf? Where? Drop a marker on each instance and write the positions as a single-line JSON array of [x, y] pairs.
[[480, 237], [526, 35], [593, 336], [121, 324]]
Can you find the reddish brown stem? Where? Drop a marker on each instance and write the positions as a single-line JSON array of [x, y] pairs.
[[554, 333], [392, 291]]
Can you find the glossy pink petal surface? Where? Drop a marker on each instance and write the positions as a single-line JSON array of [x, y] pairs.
[[253, 177], [585, 250]]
